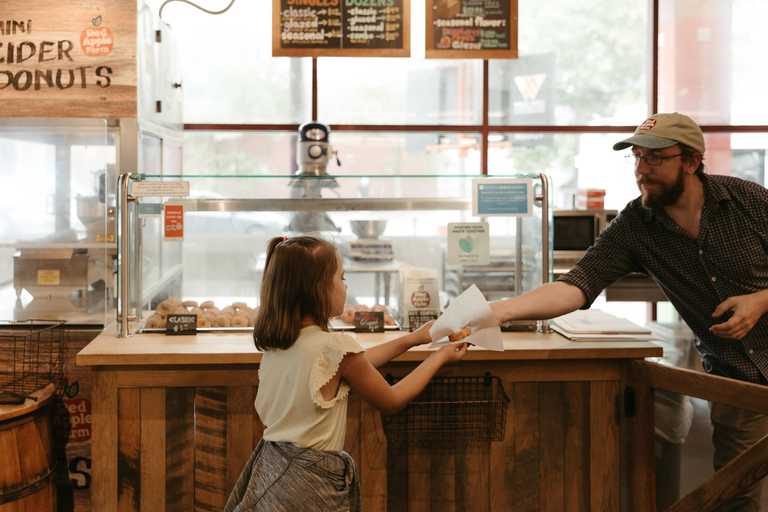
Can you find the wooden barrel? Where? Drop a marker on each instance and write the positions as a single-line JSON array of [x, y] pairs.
[[27, 461]]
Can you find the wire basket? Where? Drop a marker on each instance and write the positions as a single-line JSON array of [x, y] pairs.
[[451, 410], [32, 354]]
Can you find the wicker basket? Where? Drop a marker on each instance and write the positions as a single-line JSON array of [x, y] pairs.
[[32, 354], [451, 410]]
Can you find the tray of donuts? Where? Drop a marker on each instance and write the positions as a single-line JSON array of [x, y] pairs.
[[236, 316], [347, 319]]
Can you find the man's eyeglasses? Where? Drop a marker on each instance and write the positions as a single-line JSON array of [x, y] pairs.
[[652, 160]]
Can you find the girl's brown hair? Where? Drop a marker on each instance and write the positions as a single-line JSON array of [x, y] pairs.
[[296, 284]]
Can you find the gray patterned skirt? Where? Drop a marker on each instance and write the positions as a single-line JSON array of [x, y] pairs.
[[282, 477]]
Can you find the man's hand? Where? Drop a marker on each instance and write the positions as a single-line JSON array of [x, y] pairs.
[[746, 309]]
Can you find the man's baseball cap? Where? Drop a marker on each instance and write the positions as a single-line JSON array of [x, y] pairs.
[[664, 130]]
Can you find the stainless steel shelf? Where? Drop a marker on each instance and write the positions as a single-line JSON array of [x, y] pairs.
[[324, 204]]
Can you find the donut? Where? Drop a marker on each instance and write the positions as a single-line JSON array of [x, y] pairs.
[[197, 311], [203, 322], [348, 316], [239, 321], [239, 305], [458, 335], [252, 321], [181, 310], [215, 311], [189, 303], [222, 321], [227, 314], [164, 308], [154, 322], [207, 304], [176, 302], [228, 309]]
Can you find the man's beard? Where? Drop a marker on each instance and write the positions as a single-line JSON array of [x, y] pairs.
[[667, 196]]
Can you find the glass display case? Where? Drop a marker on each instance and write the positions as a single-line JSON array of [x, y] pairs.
[[57, 219], [397, 235]]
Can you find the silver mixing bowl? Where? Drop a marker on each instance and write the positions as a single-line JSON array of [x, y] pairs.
[[368, 228]]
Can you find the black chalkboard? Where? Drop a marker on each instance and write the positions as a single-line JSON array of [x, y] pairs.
[[181, 324], [369, 321], [485, 29], [341, 28]]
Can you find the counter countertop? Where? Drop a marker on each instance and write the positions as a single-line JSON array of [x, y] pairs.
[[238, 348]]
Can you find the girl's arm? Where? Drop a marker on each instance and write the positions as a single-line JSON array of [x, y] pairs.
[[372, 387], [384, 353]]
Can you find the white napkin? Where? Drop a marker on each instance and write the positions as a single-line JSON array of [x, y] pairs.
[[470, 309]]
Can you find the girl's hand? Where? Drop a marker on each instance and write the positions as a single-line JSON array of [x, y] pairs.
[[453, 353], [421, 335]]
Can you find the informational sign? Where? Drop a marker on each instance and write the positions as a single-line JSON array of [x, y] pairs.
[[469, 243], [181, 324], [501, 197], [341, 28], [49, 277], [68, 59], [418, 318], [160, 188], [173, 225], [149, 210], [471, 29], [369, 321]]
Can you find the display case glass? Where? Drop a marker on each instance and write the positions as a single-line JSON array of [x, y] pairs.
[[394, 233], [57, 219]]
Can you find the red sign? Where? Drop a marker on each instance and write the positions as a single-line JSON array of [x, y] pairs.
[[174, 222], [420, 299], [71, 420]]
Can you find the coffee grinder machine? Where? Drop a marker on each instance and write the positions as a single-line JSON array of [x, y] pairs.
[[313, 152]]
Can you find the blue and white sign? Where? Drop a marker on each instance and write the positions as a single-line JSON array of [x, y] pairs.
[[502, 197]]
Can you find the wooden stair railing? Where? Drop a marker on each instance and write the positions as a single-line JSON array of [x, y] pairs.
[[741, 472]]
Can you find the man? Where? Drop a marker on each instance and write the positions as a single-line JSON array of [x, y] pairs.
[[704, 240]]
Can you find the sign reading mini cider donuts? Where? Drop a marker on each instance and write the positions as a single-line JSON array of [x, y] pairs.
[[471, 29]]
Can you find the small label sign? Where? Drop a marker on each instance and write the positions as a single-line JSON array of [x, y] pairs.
[[369, 321], [174, 223], [181, 324], [418, 318]]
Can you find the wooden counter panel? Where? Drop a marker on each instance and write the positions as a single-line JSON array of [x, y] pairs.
[[238, 348], [560, 449]]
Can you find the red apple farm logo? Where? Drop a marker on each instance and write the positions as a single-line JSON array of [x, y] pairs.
[[96, 41]]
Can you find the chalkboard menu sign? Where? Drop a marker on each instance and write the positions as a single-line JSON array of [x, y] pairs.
[[341, 28], [471, 29]]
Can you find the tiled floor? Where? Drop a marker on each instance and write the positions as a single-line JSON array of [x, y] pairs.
[[696, 458]]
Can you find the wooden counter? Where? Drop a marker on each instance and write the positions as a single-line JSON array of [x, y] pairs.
[[174, 424]]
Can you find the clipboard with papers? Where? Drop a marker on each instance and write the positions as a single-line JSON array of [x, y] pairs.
[[596, 325]]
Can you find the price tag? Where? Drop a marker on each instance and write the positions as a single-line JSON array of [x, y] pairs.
[[181, 324], [419, 317], [369, 321]]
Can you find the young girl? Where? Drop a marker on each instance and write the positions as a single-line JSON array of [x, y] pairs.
[[304, 379]]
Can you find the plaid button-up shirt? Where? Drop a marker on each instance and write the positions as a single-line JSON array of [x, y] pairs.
[[729, 258]]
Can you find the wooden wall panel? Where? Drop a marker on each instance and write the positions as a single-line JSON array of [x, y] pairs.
[[352, 438], [419, 479], [472, 477], [552, 447], [373, 458], [604, 441], [152, 468], [397, 476], [525, 402], [502, 460], [179, 449], [258, 425], [443, 478], [239, 431], [210, 448], [576, 457], [104, 441], [129, 449]]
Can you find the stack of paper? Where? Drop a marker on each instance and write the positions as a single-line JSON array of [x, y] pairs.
[[596, 325]]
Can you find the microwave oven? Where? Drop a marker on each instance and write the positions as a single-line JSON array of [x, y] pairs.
[[574, 231]]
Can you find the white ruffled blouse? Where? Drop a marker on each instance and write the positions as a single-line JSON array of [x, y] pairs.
[[289, 401]]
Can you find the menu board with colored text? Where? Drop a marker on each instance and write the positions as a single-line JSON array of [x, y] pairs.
[[341, 28], [471, 29]]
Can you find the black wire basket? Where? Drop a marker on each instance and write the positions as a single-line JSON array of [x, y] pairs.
[[451, 410], [32, 355]]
